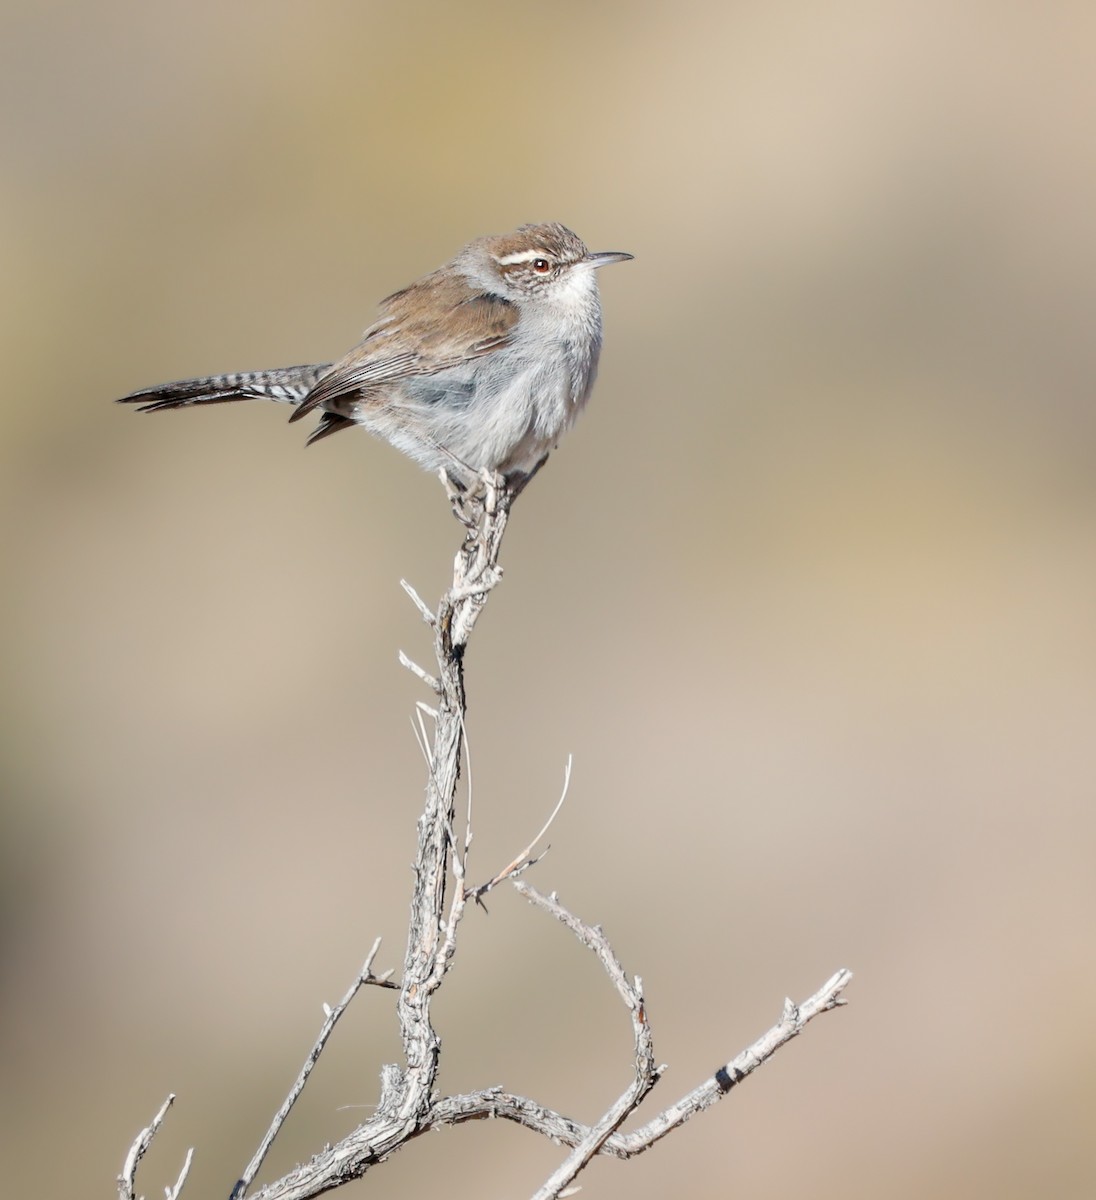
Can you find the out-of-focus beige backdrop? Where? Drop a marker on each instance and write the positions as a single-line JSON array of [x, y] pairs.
[[809, 594]]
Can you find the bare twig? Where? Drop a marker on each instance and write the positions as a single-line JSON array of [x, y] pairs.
[[332, 1015], [525, 859], [460, 858], [172, 1193], [792, 1022], [141, 1143], [496, 1103], [415, 669], [419, 603], [646, 1072], [593, 938]]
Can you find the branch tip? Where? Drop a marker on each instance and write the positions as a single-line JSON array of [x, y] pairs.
[[419, 603], [418, 671], [127, 1179]]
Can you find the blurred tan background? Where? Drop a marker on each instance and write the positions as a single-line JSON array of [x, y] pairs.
[[809, 594]]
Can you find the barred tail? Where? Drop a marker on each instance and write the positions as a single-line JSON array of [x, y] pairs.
[[286, 385]]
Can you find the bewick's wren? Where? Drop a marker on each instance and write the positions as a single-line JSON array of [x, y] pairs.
[[481, 365]]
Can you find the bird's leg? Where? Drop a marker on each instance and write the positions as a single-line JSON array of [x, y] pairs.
[[518, 482], [483, 509]]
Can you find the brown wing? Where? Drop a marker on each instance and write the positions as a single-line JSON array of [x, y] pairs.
[[437, 323]]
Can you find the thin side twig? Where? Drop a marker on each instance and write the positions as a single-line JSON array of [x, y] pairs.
[[525, 859], [424, 610], [418, 671], [172, 1193], [460, 858], [332, 1015], [127, 1179], [647, 1072]]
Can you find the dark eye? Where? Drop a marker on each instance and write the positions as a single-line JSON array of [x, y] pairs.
[[542, 266]]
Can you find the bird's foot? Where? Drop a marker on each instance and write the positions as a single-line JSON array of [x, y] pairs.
[[473, 496]]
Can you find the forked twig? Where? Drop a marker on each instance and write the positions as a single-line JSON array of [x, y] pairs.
[[141, 1143], [495, 1103]]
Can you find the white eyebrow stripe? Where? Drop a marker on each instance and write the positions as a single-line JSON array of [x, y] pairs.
[[519, 256]]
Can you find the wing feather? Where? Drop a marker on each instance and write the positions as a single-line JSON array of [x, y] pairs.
[[436, 324]]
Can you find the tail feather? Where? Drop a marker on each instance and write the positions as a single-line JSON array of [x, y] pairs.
[[286, 385], [329, 423]]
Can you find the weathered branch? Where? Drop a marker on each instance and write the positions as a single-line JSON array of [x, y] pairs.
[[408, 1095], [492, 1103], [409, 1104]]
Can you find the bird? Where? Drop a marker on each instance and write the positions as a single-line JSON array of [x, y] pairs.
[[478, 367]]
